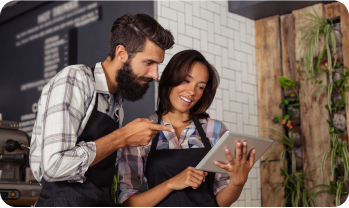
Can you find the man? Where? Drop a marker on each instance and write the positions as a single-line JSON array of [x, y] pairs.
[[76, 135]]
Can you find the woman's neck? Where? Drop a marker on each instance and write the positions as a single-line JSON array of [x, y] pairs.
[[177, 119]]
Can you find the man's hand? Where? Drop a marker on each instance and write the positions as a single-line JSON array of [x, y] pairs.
[[140, 131], [239, 167]]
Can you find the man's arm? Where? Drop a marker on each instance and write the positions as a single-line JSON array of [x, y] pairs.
[[136, 133], [64, 104]]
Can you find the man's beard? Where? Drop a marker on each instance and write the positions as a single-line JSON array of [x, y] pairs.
[[129, 86]]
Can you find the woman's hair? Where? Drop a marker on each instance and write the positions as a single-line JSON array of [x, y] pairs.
[[175, 73], [131, 31]]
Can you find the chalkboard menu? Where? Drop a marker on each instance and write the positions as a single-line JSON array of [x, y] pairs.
[[35, 45]]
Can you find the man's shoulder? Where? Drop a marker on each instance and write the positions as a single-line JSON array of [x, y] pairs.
[[75, 70], [70, 74]]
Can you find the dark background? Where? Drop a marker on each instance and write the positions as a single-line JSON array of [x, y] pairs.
[[86, 44]]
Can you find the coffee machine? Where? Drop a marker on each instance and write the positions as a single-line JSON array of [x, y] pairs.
[[18, 187]]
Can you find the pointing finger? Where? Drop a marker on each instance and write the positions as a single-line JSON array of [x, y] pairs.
[[158, 127]]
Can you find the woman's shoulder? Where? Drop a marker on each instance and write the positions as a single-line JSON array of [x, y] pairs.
[[154, 117], [213, 123]]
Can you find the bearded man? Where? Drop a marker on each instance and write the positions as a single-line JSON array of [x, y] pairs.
[[76, 137]]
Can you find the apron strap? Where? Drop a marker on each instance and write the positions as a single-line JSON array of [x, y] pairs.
[[93, 74], [202, 134], [156, 138]]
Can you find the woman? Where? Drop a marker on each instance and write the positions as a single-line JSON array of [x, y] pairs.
[[186, 90]]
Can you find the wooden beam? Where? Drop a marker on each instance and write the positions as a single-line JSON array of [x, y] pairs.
[[314, 118], [272, 170], [288, 52], [268, 71], [332, 11], [344, 17]]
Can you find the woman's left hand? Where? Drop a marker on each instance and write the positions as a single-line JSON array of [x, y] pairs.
[[239, 167]]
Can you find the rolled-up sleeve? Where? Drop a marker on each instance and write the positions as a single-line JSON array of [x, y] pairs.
[[68, 98], [131, 167]]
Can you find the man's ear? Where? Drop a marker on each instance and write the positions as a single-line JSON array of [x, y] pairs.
[[121, 53]]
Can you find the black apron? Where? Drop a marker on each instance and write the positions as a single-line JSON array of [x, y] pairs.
[[96, 190], [166, 163]]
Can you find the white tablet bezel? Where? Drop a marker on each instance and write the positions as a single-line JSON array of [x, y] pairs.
[[229, 140]]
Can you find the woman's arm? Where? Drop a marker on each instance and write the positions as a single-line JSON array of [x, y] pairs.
[[238, 170], [150, 198]]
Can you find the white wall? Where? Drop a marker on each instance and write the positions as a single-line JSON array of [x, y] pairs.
[[227, 41]]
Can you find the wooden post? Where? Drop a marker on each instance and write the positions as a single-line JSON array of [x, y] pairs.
[[344, 16], [313, 116], [287, 46], [268, 56]]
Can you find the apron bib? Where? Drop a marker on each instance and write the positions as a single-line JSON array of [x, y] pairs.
[[166, 163]]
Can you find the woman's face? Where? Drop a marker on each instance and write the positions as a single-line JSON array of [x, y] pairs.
[[184, 96]]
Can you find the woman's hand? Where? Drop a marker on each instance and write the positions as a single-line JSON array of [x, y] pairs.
[[188, 177], [239, 167]]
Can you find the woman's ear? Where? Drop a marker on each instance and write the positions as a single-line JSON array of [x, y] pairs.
[[121, 53]]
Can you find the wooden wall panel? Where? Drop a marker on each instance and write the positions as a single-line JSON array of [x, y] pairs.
[[271, 173], [332, 10], [268, 70], [344, 16], [268, 57], [313, 117], [287, 47]]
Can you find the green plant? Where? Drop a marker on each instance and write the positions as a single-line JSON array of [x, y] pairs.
[[338, 150], [335, 188], [114, 187], [310, 43], [289, 84], [295, 193]]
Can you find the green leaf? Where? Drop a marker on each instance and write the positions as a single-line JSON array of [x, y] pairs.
[[329, 122], [286, 82], [286, 102], [275, 120], [282, 105], [346, 88], [323, 162], [287, 117], [278, 116], [320, 82], [339, 82], [290, 112], [345, 161], [331, 129]]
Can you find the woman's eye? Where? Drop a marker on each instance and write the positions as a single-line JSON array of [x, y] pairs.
[[201, 88], [186, 81]]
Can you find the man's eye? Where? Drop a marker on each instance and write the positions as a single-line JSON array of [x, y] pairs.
[[148, 62]]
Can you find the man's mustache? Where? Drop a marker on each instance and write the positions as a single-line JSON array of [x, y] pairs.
[[145, 79]]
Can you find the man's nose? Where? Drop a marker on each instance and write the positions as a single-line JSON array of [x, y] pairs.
[[153, 72]]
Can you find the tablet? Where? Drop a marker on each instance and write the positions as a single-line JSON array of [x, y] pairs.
[[229, 140]]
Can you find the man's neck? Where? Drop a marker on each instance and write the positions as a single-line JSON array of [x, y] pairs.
[[110, 68]]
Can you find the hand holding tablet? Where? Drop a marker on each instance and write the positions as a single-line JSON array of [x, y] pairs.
[[230, 141]]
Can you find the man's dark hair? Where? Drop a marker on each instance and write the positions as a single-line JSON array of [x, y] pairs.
[[175, 73], [131, 31]]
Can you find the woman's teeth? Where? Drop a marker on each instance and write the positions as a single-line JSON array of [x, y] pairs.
[[185, 99]]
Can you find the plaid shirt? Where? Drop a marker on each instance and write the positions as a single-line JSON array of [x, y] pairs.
[[133, 160], [64, 108]]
